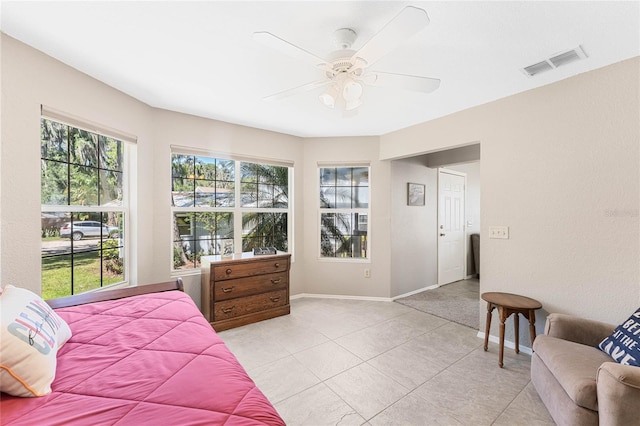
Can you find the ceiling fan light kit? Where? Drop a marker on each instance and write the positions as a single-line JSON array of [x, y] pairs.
[[346, 71]]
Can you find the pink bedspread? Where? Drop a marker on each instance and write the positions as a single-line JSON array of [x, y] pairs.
[[150, 359]]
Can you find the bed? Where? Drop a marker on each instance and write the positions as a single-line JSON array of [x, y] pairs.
[[143, 355]]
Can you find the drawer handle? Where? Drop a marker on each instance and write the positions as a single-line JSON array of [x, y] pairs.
[[227, 310], [228, 289], [277, 265], [228, 271], [274, 299], [276, 281]]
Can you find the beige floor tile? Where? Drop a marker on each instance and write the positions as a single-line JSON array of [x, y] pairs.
[[348, 362], [375, 340], [327, 360], [283, 379], [366, 389], [527, 409], [407, 365], [413, 410], [327, 409], [472, 402]]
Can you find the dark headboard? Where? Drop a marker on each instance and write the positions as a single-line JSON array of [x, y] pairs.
[[100, 296]]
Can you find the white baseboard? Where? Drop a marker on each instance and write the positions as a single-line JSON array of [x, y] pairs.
[[367, 298], [507, 343], [339, 296], [411, 293]]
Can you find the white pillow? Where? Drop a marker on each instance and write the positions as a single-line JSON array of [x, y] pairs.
[[30, 338]]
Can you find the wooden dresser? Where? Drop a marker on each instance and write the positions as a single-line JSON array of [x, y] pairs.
[[244, 288]]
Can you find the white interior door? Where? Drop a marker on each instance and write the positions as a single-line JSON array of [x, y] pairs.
[[451, 233]]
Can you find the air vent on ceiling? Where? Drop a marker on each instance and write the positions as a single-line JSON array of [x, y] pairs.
[[555, 61]]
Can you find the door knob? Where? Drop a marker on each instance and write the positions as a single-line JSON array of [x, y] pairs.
[[442, 235]]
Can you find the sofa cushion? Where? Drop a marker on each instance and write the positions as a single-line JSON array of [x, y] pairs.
[[623, 345], [575, 367]]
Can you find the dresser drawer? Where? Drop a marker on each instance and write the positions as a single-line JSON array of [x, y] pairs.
[[248, 286], [250, 304], [249, 269]]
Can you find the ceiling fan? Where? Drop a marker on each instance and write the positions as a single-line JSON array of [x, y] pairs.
[[347, 70]]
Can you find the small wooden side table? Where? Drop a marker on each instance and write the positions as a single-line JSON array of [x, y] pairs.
[[508, 304]]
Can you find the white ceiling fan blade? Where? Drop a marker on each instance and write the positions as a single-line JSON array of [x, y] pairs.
[[300, 89], [402, 81], [287, 48], [407, 23]]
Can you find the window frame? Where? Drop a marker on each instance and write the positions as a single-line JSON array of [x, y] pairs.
[[350, 210], [237, 210], [128, 146]]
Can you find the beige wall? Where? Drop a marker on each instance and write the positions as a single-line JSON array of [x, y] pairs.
[[30, 79], [414, 242], [560, 167], [331, 277]]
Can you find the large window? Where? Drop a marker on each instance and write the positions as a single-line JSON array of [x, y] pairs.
[[83, 209], [344, 212], [216, 201]]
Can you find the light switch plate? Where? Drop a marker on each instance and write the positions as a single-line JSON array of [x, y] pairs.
[[499, 232]]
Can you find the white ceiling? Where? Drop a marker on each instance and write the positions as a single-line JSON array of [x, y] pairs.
[[199, 57]]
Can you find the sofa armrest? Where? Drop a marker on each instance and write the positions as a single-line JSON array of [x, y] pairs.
[[578, 330], [618, 394]]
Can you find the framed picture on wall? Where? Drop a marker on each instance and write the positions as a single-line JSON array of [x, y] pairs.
[[415, 194]]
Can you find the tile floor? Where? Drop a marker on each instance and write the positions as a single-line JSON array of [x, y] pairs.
[[351, 362]]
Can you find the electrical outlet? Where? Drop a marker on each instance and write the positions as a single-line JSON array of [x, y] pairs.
[[367, 273], [499, 232]]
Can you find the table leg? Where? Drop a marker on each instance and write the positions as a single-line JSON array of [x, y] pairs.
[[487, 326], [503, 318], [516, 324], [532, 326]]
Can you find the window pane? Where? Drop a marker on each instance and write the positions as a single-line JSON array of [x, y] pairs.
[[327, 197], [343, 176], [248, 172], [53, 140], [83, 147], [360, 176], [343, 235], [205, 193], [205, 168], [51, 224], [84, 185], [211, 230], [264, 230], [182, 192], [225, 170], [87, 268], [110, 188], [265, 195], [56, 276], [225, 194], [111, 153], [249, 194], [81, 251], [360, 197], [182, 166], [54, 183], [184, 240], [343, 197], [328, 176], [113, 226]]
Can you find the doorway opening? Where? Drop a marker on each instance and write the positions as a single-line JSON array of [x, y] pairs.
[[426, 276]]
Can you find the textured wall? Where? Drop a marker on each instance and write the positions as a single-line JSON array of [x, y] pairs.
[[560, 167]]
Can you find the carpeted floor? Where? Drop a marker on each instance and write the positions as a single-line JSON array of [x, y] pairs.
[[457, 302]]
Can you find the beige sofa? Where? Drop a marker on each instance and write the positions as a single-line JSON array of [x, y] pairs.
[[579, 384]]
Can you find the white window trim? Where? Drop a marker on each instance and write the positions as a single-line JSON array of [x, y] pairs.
[[129, 145], [320, 210], [237, 210]]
